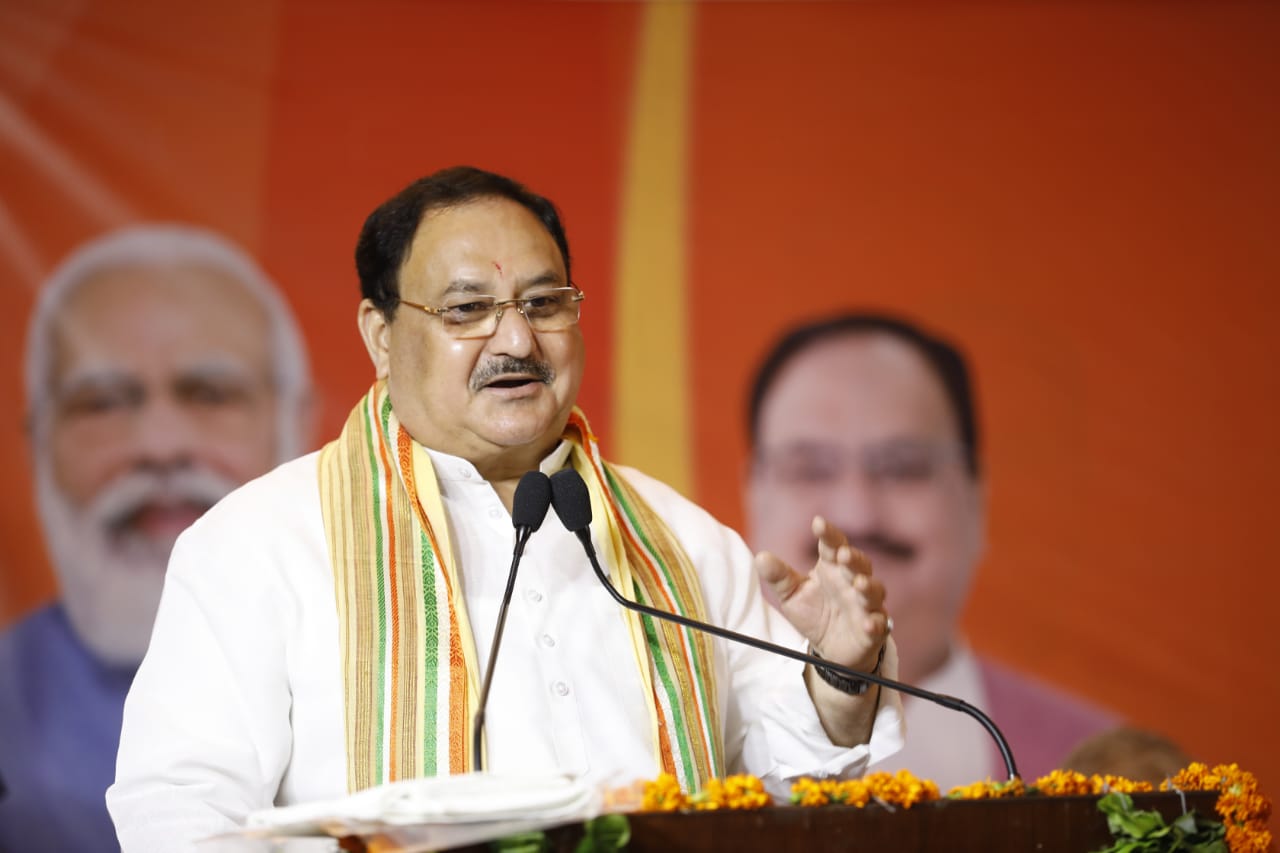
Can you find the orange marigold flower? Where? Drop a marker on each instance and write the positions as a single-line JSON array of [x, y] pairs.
[[988, 790], [900, 789], [1243, 808], [1064, 783], [1107, 783], [1249, 838], [1194, 777]]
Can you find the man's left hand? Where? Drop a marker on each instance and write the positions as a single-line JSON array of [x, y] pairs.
[[839, 608]]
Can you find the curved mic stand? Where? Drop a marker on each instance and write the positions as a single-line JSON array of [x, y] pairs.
[[942, 699]]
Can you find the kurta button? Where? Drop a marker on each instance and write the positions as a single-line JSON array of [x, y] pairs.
[[560, 688], [533, 595], [548, 640]]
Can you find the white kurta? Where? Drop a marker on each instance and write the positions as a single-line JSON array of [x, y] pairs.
[[238, 704]]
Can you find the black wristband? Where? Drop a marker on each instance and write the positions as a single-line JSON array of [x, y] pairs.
[[852, 686]]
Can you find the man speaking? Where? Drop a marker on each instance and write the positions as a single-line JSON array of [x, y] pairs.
[[323, 628]]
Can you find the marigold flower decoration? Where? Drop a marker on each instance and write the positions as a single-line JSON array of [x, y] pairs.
[[732, 792], [892, 789], [664, 795], [1242, 807], [988, 790], [1068, 783]]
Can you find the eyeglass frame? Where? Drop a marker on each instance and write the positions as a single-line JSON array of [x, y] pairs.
[[500, 305]]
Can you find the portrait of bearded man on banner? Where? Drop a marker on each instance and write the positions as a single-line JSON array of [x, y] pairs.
[[163, 369]]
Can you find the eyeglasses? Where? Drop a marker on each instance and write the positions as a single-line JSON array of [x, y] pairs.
[[897, 464], [478, 316]]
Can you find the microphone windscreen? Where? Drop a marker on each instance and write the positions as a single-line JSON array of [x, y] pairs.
[[570, 498], [533, 496]]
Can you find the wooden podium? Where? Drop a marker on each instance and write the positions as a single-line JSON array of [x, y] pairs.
[[1015, 825]]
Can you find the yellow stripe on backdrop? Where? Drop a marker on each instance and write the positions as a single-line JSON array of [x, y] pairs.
[[651, 403]]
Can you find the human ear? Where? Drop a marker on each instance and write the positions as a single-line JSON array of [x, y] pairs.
[[375, 331]]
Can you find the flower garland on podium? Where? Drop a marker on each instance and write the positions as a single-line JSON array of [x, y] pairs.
[[1243, 809]]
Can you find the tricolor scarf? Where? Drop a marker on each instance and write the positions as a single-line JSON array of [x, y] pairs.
[[408, 659]]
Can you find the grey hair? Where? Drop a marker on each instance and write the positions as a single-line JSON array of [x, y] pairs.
[[164, 243]]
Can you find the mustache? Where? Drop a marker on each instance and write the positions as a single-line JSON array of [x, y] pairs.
[[879, 543], [507, 364], [118, 504]]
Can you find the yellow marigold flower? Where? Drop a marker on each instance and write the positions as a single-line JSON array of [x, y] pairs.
[[745, 792], [732, 792], [709, 798], [910, 790], [852, 792], [808, 792], [663, 795]]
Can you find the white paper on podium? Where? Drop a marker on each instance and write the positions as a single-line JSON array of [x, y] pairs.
[[425, 814]]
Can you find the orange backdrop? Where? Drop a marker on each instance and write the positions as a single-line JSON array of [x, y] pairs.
[[1084, 194]]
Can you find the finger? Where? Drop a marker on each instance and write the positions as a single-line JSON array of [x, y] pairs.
[[780, 578], [877, 626], [870, 592], [851, 589], [853, 559], [860, 600], [830, 539], [849, 570]]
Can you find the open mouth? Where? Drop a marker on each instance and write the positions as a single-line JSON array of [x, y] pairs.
[[514, 382], [161, 520]]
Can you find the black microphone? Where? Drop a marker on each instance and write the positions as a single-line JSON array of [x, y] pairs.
[[572, 503], [528, 508]]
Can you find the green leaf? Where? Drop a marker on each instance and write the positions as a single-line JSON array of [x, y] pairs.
[[1146, 831], [605, 834], [1216, 846], [523, 842], [1124, 847], [1115, 803]]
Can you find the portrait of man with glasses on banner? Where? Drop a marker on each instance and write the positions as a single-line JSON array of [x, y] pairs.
[[870, 421], [361, 583]]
